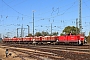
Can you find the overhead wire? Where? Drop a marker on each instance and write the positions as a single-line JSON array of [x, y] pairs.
[[63, 13], [87, 5], [13, 8], [58, 12], [22, 14], [53, 10], [8, 3], [67, 9]]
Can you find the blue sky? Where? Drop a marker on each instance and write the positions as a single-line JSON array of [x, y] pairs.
[[61, 13]]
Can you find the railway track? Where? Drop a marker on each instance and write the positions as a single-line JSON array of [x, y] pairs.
[[33, 53], [85, 48], [39, 55], [55, 52]]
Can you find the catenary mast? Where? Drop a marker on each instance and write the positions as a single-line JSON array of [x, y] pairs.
[[80, 20]]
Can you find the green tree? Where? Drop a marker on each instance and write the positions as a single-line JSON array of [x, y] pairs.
[[45, 33], [88, 39], [38, 34], [29, 35], [71, 29], [62, 34], [55, 33]]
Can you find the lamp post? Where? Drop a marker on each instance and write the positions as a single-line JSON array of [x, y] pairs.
[[51, 28], [33, 23], [8, 34], [28, 30], [17, 32]]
